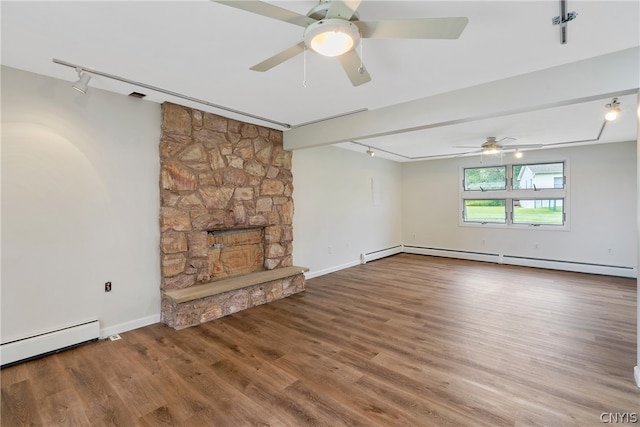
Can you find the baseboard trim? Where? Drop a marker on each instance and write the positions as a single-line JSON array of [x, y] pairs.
[[317, 273], [129, 326]]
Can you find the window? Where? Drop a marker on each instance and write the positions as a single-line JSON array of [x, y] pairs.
[[485, 211], [485, 179], [538, 176], [515, 195], [538, 211]]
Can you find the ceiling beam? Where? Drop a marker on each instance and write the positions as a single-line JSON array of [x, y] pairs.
[[604, 76]]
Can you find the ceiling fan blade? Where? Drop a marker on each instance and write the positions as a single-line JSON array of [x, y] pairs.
[[467, 153], [279, 58], [343, 8], [352, 65], [516, 147], [270, 11], [419, 28]]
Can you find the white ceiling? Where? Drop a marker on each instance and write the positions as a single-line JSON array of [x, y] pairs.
[[203, 50]]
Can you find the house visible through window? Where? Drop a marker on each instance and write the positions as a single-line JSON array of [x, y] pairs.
[[526, 194], [539, 176]]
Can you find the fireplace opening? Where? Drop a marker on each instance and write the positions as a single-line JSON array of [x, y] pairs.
[[233, 252]]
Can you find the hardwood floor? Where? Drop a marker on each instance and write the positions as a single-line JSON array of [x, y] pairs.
[[404, 341]]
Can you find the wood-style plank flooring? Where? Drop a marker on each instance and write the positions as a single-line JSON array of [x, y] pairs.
[[404, 341]]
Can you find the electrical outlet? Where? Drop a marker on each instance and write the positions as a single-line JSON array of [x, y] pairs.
[[107, 286]]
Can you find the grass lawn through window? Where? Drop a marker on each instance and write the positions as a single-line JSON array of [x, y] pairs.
[[549, 216], [496, 214]]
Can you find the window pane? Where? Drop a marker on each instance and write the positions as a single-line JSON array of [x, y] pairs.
[[483, 179], [485, 211], [538, 176], [538, 211]]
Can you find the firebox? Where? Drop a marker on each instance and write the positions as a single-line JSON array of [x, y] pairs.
[[235, 252]]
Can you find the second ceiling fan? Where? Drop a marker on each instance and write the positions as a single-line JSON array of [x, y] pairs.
[[332, 28]]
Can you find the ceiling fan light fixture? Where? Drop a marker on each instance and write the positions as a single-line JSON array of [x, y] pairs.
[[613, 110], [491, 151], [331, 37]]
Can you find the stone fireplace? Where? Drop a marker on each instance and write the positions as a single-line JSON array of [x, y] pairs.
[[226, 217]]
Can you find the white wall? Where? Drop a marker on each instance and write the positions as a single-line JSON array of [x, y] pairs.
[[80, 204], [337, 215], [602, 202]]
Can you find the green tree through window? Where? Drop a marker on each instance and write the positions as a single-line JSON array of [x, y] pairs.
[[485, 179]]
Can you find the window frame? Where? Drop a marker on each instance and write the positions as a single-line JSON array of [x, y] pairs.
[[510, 194]]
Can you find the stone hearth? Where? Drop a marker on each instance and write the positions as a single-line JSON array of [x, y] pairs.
[[226, 211]]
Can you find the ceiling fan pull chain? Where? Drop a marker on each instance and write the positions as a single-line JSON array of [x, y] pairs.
[[361, 50], [304, 68]]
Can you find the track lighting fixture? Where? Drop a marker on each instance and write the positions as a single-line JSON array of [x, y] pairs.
[[83, 81], [371, 152], [613, 110], [82, 85]]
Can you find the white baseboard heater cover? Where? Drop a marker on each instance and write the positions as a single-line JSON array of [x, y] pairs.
[[382, 253], [48, 342], [581, 267]]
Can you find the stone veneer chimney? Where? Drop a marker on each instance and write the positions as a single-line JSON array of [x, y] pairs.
[[219, 174]]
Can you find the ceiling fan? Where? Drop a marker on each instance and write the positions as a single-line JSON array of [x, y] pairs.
[[332, 28], [494, 146]]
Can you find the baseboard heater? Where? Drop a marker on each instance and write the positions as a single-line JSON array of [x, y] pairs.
[[381, 253], [452, 253], [581, 267], [39, 345]]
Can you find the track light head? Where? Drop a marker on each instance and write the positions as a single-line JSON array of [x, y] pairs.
[[371, 152], [82, 85], [613, 110]]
